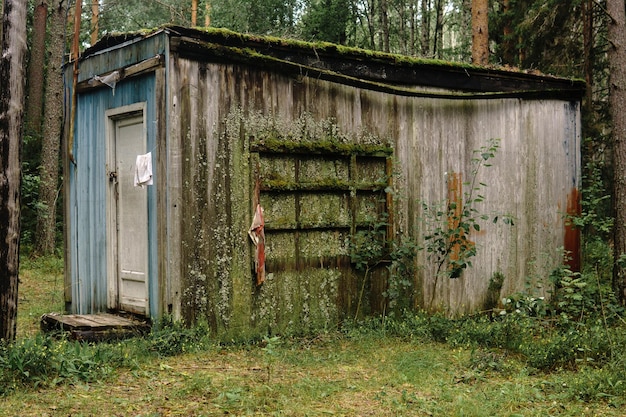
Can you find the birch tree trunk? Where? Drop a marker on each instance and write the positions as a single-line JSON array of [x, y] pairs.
[[13, 51], [617, 108]]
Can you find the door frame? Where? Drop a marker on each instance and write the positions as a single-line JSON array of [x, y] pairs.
[[112, 117]]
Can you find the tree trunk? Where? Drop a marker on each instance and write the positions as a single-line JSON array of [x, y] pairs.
[[13, 52], [207, 13], [425, 41], [617, 105], [588, 43], [508, 46], [194, 12], [49, 170], [95, 17], [371, 26], [36, 67], [480, 32], [438, 41], [384, 25], [413, 28]]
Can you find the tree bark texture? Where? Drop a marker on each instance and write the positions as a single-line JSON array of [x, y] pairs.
[[95, 21], [36, 67], [50, 147], [438, 41], [617, 105], [384, 25], [425, 39], [207, 13], [480, 32], [12, 59], [508, 45], [588, 42], [194, 12]]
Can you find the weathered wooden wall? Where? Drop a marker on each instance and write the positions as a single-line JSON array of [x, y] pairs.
[[211, 113]]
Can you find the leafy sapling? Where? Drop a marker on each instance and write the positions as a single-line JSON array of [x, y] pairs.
[[449, 224]]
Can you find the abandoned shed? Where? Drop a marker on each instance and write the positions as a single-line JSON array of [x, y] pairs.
[[224, 177]]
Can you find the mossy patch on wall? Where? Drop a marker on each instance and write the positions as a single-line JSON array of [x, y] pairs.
[[316, 185]]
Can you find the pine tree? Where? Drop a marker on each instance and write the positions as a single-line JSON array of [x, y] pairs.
[[617, 102], [49, 169], [480, 32]]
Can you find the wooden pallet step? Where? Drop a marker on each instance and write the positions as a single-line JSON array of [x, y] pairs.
[[94, 327]]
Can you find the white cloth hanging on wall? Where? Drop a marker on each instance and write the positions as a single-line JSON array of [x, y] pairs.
[[143, 170]]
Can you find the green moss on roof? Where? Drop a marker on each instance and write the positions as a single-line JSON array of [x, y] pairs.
[[316, 47], [328, 48], [233, 39]]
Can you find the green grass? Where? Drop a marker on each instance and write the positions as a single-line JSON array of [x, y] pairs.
[[40, 291], [366, 370]]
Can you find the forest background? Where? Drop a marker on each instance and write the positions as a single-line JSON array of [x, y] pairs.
[[572, 346]]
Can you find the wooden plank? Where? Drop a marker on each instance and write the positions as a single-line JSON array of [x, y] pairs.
[[92, 323], [142, 67]]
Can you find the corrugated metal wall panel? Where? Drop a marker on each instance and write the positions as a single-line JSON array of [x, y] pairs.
[[88, 183], [119, 57]]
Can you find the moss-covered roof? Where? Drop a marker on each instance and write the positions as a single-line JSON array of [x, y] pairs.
[[350, 64]]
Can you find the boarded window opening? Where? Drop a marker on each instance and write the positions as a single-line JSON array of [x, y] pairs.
[[316, 196]]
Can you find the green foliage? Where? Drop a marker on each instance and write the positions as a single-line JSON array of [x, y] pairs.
[[538, 34], [169, 337], [47, 360], [44, 360], [525, 304], [401, 273], [134, 15], [545, 345], [326, 20], [30, 205], [270, 351], [583, 296], [594, 218], [43, 265], [499, 346], [370, 248]]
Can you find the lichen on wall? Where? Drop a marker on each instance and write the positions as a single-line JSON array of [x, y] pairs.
[[314, 193]]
